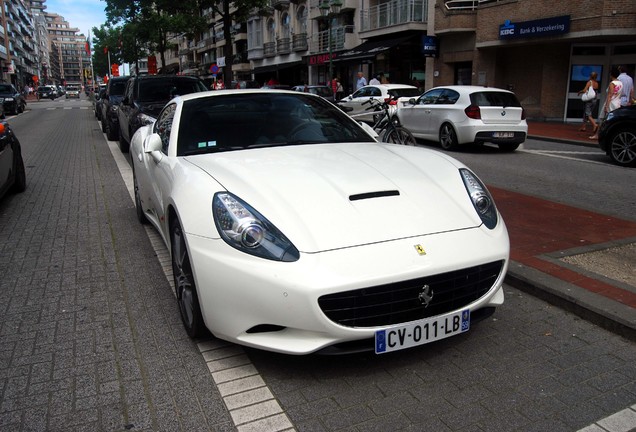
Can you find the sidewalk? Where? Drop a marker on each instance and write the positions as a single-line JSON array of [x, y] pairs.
[[583, 263]]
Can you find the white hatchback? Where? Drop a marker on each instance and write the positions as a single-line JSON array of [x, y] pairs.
[[457, 115], [358, 101]]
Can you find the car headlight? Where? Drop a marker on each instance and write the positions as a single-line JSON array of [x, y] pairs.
[[481, 198], [145, 119], [9, 99], [247, 230], [610, 115]]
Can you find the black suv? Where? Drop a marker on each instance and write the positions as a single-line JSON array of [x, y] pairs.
[[145, 96], [47, 91], [12, 100], [109, 105]]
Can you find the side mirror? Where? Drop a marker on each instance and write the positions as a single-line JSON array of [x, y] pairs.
[[412, 101], [153, 145]]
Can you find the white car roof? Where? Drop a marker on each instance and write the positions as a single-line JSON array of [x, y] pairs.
[[470, 88]]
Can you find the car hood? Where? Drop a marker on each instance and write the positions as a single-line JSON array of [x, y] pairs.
[[325, 197]]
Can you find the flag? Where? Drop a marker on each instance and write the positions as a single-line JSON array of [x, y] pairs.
[[88, 47]]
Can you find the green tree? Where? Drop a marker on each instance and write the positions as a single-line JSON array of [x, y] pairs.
[[153, 25]]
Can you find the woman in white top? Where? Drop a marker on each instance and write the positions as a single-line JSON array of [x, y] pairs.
[[613, 99]]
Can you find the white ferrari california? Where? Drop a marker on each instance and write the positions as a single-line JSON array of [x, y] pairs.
[[292, 230]]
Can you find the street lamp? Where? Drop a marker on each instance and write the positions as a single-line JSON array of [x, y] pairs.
[[326, 9]]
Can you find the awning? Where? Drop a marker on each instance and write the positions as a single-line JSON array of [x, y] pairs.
[[370, 49], [275, 67]]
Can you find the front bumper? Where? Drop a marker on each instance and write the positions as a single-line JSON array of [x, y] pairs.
[[275, 306]]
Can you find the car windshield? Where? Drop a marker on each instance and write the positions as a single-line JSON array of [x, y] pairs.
[[404, 92], [5, 88], [72, 88], [253, 120], [162, 90], [494, 98]]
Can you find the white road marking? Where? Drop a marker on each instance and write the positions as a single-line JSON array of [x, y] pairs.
[[249, 401], [569, 155]]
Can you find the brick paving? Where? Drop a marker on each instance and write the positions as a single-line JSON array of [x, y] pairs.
[[90, 338]]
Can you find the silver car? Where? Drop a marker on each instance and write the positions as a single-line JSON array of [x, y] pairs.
[[457, 115]]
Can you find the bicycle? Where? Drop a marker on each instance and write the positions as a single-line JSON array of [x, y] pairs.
[[385, 126]]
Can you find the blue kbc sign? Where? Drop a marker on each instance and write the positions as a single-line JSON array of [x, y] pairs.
[[537, 28]]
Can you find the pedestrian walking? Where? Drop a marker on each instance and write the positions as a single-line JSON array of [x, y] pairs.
[[590, 103], [361, 82], [627, 94], [613, 100]]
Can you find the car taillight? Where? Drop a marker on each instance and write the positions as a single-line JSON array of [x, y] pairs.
[[473, 112], [390, 101], [523, 114]]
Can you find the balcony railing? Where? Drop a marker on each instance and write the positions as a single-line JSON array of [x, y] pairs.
[[320, 42], [394, 13], [465, 4], [299, 42], [283, 45], [269, 49]]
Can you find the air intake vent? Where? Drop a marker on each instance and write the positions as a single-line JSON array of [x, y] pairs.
[[370, 195]]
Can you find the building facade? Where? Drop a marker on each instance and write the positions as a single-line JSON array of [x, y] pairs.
[[541, 49]]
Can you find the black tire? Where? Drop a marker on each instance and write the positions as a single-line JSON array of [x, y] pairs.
[[104, 128], [123, 144], [111, 133], [141, 217], [448, 137], [399, 135], [508, 147], [622, 147], [19, 184], [185, 288]]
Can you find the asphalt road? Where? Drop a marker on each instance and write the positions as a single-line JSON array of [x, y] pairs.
[[90, 335]]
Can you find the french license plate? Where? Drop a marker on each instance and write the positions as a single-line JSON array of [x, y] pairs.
[[421, 332], [503, 134]]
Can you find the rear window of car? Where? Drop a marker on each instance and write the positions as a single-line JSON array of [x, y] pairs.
[[494, 98], [157, 90], [72, 88], [117, 88], [404, 92]]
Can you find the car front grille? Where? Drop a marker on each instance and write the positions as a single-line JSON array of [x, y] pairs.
[[407, 300]]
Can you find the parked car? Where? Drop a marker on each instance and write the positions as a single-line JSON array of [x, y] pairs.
[[145, 96], [98, 102], [457, 115], [73, 91], [278, 210], [47, 92], [12, 173], [358, 101], [61, 91], [617, 136], [110, 106], [320, 90], [12, 100]]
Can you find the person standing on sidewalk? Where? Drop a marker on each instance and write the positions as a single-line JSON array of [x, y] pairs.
[[627, 95], [613, 100], [590, 105]]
